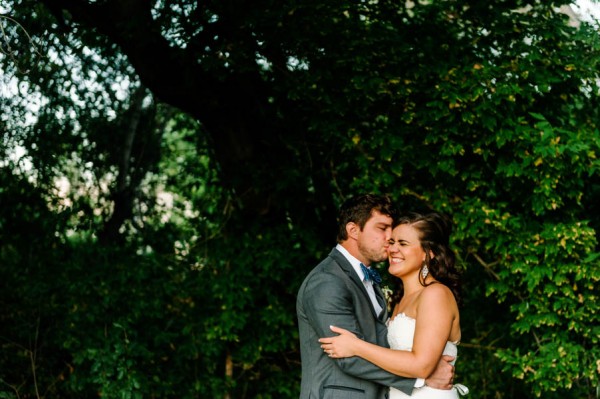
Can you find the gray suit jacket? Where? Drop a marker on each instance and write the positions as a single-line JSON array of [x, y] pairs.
[[332, 294]]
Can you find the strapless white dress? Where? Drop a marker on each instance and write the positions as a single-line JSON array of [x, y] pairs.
[[401, 332]]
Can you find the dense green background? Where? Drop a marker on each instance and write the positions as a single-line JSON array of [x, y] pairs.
[[207, 145]]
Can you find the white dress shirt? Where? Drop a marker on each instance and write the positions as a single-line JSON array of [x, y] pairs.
[[368, 284]]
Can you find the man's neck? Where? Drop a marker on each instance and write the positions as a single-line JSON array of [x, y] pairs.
[[353, 251]]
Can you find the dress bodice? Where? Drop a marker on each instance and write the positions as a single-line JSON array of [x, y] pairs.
[[401, 333]]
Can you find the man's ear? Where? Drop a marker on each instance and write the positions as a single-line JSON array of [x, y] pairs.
[[352, 230]]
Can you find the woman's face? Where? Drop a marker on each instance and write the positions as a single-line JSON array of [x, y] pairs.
[[405, 253]]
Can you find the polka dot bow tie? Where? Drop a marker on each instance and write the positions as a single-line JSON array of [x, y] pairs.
[[371, 274]]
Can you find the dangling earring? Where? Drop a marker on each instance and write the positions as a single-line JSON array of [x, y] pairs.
[[424, 271]]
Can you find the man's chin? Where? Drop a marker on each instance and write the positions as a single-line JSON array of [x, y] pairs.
[[381, 259]]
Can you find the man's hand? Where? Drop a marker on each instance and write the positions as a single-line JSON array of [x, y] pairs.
[[443, 375]]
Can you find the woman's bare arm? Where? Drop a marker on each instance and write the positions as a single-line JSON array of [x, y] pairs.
[[435, 316]]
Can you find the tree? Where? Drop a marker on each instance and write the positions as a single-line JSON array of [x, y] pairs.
[[487, 111]]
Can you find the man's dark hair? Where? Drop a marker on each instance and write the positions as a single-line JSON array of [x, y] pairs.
[[359, 210]]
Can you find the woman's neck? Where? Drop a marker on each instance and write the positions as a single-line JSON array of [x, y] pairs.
[[411, 286]]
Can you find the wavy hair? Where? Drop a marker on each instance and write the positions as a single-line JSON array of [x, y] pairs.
[[434, 231]]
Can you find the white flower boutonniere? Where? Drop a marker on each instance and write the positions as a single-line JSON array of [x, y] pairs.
[[387, 295]]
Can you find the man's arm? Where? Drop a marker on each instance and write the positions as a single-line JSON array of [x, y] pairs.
[[398, 362], [328, 301], [424, 358]]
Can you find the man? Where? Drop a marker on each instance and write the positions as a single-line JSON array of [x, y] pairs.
[[336, 292]]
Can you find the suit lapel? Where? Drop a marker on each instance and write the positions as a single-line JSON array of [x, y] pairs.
[[349, 270], [381, 300], [347, 267]]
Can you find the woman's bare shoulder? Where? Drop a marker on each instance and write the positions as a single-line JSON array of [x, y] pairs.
[[437, 292]]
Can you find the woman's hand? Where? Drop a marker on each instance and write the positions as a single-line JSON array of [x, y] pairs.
[[341, 346]]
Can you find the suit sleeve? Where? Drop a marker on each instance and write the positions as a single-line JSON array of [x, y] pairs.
[[329, 301]]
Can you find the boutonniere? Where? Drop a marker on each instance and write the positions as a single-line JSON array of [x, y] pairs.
[[387, 295]]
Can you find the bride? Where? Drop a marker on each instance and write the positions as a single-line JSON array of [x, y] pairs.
[[425, 322]]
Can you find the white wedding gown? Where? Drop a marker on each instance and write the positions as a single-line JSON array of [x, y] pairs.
[[401, 331]]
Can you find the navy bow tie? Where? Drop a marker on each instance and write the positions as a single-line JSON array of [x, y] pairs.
[[371, 274]]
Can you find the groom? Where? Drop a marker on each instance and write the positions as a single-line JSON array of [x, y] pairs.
[[336, 292]]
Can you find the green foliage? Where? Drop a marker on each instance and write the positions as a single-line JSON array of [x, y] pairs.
[[171, 269]]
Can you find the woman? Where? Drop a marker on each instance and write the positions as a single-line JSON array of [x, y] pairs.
[[425, 322]]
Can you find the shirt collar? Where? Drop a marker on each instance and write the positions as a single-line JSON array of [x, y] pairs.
[[353, 261]]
